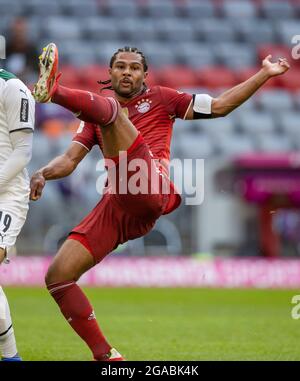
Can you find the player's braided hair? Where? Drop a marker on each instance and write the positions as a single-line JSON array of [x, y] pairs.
[[113, 58]]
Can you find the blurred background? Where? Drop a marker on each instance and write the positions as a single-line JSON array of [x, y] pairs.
[[252, 181]]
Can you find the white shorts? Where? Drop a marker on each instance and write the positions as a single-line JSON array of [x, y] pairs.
[[12, 219]]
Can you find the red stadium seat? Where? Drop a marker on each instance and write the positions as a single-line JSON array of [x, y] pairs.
[[290, 80], [277, 51], [177, 77], [90, 74], [215, 77], [152, 78], [69, 77]]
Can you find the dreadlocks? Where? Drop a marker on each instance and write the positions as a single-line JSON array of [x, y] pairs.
[[113, 58]]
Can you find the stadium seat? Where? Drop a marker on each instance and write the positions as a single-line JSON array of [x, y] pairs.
[[70, 76], [255, 31], [277, 51], [100, 29], [235, 55], [43, 149], [276, 9], [177, 77], [253, 122], [58, 28], [197, 9], [172, 30], [238, 9], [288, 122], [153, 77], [46, 8], [217, 127], [89, 75], [84, 53], [158, 8], [290, 80], [34, 30], [93, 72], [6, 21], [159, 54], [195, 146], [130, 28], [274, 143], [216, 77], [234, 144], [12, 8], [286, 29], [274, 100], [296, 97], [196, 55], [80, 8], [214, 30], [121, 8]]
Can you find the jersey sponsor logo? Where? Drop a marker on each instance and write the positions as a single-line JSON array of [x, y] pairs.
[[24, 110], [143, 106], [23, 91]]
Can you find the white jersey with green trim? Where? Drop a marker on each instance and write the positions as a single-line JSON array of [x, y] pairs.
[[17, 109]]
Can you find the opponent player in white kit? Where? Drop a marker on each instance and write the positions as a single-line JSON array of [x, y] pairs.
[[17, 109]]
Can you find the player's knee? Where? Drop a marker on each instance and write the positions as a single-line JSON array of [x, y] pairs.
[[58, 273], [50, 277], [55, 275]]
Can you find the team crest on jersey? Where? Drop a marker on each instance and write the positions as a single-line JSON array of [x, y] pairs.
[[143, 105]]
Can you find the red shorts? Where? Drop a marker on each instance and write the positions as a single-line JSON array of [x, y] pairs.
[[119, 217]]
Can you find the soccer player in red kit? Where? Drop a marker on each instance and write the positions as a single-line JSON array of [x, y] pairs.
[[138, 121]]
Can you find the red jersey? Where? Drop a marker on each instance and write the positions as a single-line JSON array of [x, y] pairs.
[[153, 114]]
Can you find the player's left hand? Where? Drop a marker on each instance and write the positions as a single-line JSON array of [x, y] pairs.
[[275, 68]]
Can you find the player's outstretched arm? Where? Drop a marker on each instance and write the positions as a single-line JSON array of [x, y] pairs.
[[59, 167], [234, 97], [204, 106]]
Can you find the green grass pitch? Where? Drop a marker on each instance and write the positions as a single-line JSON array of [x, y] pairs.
[[163, 324]]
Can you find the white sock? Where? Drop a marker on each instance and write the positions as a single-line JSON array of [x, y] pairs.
[[8, 347]]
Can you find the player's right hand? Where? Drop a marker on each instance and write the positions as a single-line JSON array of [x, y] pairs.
[[37, 184]]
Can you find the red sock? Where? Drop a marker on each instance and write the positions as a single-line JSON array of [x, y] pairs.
[[77, 310], [87, 106]]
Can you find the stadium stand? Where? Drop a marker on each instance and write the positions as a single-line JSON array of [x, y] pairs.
[[198, 46]]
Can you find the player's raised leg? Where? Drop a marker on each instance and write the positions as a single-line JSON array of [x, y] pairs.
[[87, 106]]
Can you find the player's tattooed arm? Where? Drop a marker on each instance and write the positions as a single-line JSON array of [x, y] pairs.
[[234, 97], [59, 167]]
